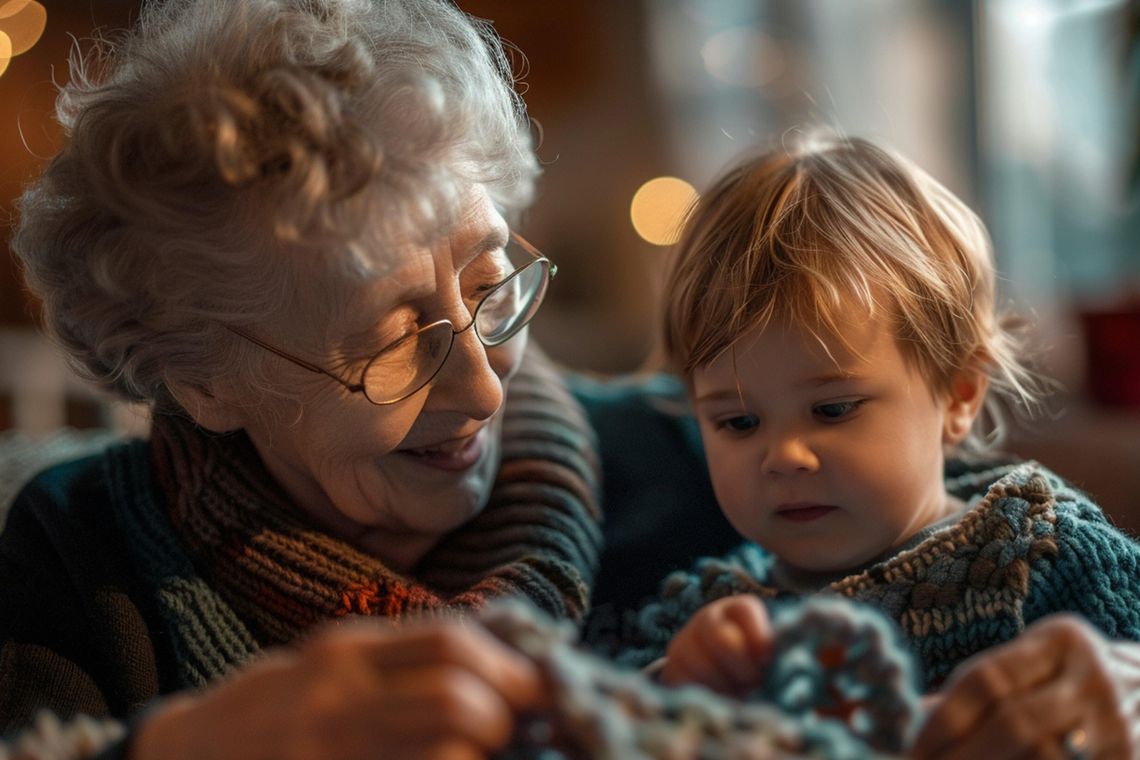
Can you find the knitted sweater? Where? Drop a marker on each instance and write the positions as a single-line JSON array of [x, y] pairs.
[[1030, 545], [106, 602]]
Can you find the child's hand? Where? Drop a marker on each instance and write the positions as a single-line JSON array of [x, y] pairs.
[[725, 646]]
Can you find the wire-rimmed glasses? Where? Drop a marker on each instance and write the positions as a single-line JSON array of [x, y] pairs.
[[402, 368]]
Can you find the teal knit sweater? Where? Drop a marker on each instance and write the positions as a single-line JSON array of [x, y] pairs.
[[1031, 545]]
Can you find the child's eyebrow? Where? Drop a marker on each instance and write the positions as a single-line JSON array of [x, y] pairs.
[[827, 378], [720, 395], [814, 381]]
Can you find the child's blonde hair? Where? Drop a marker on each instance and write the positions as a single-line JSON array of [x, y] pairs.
[[795, 234]]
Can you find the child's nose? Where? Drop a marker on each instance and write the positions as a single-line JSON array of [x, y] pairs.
[[789, 454]]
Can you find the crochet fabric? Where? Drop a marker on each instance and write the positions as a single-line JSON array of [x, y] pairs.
[[1032, 545], [257, 572], [839, 687]]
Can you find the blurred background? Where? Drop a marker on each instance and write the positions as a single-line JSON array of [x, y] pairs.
[[1027, 109]]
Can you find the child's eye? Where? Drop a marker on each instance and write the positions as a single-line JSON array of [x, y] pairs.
[[741, 423], [836, 410]]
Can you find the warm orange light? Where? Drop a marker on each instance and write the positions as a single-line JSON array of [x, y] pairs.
[[12, 7], [5, 52], [658, 209], [24, 22]]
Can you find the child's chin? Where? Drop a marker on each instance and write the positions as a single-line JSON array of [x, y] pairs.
[[826, 561]]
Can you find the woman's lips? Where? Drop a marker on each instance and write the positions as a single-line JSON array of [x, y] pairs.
[[803, 512], [455, 455]]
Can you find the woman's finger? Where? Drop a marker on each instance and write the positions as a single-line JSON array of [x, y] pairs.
[[981, 685], [468, 646], [434, 749], [435, 703], [1028, 724]]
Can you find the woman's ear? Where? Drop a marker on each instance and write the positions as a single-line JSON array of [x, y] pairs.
[[963, 402], [207, 408]]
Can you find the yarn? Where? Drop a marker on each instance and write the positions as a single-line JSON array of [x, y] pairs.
[[840, 687]]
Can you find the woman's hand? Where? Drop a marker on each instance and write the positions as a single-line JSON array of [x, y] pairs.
[[1060, 690], [362, 690], [725, 646]]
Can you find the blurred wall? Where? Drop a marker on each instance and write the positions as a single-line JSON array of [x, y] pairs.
[[1028, 110]]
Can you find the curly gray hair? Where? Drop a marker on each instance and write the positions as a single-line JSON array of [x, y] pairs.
[[222, 150]]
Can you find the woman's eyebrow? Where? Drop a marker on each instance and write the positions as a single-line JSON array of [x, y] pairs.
[[493, 240]]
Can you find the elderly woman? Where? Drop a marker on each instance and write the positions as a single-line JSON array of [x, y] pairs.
[[285, 225]]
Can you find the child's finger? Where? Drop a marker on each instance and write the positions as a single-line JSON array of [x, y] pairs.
[[725, 646], [731, 633], [689, 662], [751, 616]]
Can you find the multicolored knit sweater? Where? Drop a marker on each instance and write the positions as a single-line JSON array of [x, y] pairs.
[[162, 564], [1030, 545]]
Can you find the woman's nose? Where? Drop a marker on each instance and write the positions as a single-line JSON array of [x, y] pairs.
[[467, 382], [789, 454]]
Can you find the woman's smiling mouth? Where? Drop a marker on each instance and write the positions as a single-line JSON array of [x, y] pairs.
[[453, 455]]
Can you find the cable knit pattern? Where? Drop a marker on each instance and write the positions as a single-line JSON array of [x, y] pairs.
[[279, 574], [1032, 545]]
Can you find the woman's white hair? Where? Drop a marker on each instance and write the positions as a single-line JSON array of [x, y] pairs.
[[222, 151]]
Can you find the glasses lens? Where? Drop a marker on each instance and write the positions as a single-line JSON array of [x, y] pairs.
[[506, 309], [407, 365]]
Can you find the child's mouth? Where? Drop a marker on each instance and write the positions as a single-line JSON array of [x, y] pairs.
[[803, 512]]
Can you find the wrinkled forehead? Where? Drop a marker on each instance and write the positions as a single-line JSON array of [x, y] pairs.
[[403, 270], [384, 245]]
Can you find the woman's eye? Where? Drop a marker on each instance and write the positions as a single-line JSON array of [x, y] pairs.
[[741, 423], [836, 410], [478, 289], [483, 274]]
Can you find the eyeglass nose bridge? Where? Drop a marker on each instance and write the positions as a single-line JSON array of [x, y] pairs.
[[472, 324], [547, 274], [547, 268], [546, 271]]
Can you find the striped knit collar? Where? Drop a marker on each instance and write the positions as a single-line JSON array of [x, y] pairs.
[[538, 537]]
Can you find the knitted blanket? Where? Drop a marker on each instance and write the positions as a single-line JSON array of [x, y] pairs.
[[1030, 546]]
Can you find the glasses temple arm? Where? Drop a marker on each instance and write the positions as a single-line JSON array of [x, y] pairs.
[[353, 387]]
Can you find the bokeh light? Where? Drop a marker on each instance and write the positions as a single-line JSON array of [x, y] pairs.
[[743, 57], [22, 23], [12, 7], [658, 209], [5, 52]]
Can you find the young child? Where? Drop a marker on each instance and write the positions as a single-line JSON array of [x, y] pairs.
[[832, 310]]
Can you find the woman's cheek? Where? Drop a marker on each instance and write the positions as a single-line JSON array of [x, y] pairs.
[[506, 359], [379, 429]]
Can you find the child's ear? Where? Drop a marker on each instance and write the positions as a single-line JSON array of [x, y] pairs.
[[207, 408], [963, 402]]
